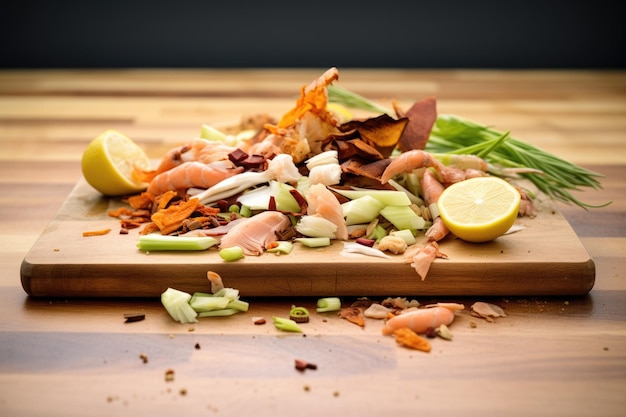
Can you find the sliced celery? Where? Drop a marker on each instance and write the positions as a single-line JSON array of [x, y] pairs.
[[210, 133], [282, 246], [378, 233], [404, 234], [361, 210], [208, 303], [314, 242], [402, 217], [156, 242], [387, 197], [176, 303], [219, 313], [328, 304], [283, 197], [286, 325], [231, 254]]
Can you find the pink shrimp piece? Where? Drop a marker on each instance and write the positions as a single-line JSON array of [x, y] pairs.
[[208, 151], [422, 319], [432, 189], [173, 158], [322, 202], [192, 174], [421, 256], [414, 159], [256, 233]]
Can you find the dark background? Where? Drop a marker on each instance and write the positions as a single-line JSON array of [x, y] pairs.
[[383, 34]]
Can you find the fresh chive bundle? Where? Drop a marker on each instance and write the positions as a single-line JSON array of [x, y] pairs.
[[557, 177], [552, 175]]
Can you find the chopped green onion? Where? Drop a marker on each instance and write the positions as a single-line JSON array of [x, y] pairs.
[[313, 242], [328, 304], [156, 242], [299, 314], [234, 208], [231, 254], [244, 211], [286, 325]]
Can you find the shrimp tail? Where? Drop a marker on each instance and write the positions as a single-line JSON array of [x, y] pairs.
[[432, 189], [421, 256], [173, 158]]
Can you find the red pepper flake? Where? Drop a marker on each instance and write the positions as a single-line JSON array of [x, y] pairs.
[[302, 365]]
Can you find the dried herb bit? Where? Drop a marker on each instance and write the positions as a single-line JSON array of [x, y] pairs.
[[302, 365], [169, 375], [133, 317], [143, 357]]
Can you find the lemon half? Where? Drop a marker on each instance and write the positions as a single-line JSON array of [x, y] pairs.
[[479, 209], [108, 163]]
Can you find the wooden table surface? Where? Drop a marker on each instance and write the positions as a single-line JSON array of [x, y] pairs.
[[549, 356]]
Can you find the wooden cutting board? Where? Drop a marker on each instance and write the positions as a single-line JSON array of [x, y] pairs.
[[544, 258]]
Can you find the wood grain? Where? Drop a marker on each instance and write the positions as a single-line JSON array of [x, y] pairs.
[[551, 356]]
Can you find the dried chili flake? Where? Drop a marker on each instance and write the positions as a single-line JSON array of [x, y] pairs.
[[96, 232], [353, 315], [408, 338]]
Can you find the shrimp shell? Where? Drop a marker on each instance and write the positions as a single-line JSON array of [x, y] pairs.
[[192, 174]]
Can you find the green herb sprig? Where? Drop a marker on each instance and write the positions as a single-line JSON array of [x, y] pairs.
[[552, 175]]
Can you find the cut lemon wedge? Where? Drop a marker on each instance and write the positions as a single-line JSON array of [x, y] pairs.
[[479, 209], [108, 163]]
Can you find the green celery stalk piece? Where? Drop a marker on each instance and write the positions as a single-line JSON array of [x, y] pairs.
[[156, 242]]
